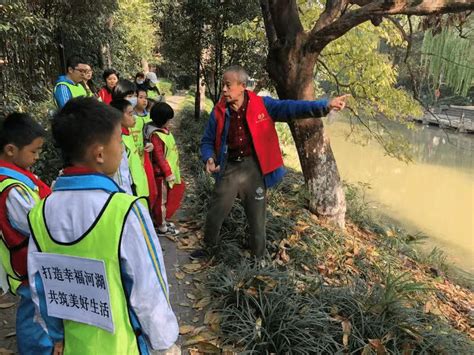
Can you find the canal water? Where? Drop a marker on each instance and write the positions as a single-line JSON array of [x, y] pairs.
[[433, 195]]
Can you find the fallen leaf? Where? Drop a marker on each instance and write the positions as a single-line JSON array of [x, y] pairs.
[[378, 346], [195, 319], [9, 335], [184, 304], [258, 327], [207, 348], [346, 331], [203, 337], [179, 275], [198, 330], [186, 329], [203, 302], [191, 268], [252, 291], [211, 317], [270, 282], [305, 267], [190, 296], [4, 351], [7, 305]]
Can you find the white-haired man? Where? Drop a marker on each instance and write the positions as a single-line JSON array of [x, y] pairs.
[[240, 147]]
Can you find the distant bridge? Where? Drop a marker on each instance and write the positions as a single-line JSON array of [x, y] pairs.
[[460, 118]]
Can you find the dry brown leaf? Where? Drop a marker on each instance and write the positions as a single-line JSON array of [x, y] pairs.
[[203, 302], [195, 319], [346, 331], [252, 291], [186, 329], [179, 275], [378, 346], [204, 337], [9, 335], [184, 304], [211, 317], [7, 305], [305, 267], [191, 296], [191, 268], [198, 330], [270, 282]]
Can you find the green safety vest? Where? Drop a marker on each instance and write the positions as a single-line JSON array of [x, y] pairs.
[[171, 154], [76, 90], [137, 170], [137, 132], [14, 280], [152, 94], [102, 242]]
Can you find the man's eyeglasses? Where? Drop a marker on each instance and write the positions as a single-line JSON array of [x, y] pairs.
[[84, 71]]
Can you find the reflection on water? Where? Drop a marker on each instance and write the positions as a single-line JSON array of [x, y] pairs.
[[433, 195]]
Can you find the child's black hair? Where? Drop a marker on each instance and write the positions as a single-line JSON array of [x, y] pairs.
[[109, 72], [19, 129], [120, 104], [141, 88], [161, 113], [81, 123], [123, 88]]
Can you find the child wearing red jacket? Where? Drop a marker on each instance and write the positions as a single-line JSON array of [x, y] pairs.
[[165, 160]]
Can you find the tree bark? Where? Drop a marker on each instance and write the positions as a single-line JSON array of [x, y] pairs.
[[291, 68]]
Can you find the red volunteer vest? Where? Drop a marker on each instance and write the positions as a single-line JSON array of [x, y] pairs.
[[262, 129]]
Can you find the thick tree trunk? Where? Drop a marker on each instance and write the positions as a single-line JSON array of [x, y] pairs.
[[292, 70]]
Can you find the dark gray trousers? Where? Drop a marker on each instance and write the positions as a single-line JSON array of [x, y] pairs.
[[244, 180]]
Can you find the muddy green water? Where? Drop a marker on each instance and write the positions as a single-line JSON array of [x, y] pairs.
[[433, 195]]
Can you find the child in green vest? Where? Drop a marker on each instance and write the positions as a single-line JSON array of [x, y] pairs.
[[131, 175], [142, 117], [21, 140], [165, 160], [88, 221]]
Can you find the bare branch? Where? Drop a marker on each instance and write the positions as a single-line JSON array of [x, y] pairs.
[[268, 22], [373, 9], [334, 8]]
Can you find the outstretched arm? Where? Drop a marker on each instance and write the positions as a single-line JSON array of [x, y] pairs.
[[286, 110]]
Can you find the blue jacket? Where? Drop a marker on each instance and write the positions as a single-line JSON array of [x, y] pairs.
[[279, 110], [62, 94]]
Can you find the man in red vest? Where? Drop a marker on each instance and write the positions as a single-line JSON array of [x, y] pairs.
[[240, 147]]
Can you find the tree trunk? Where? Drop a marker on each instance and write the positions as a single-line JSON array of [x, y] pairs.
[[197, 97], [292, 70]]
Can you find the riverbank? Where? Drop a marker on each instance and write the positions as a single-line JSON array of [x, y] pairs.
[[321, 290], [431, 195]]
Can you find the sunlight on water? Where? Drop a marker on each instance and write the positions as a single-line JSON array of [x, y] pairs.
[[433, 195]]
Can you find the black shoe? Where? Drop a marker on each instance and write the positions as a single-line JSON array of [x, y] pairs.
[[199, 254]]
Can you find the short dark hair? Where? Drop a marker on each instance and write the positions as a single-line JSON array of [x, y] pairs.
[[120, 104], [161, 113], [109, 72], [123, 88], [80, 123], [74, 61], [139, 75], [19, 129], [141, 89]]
